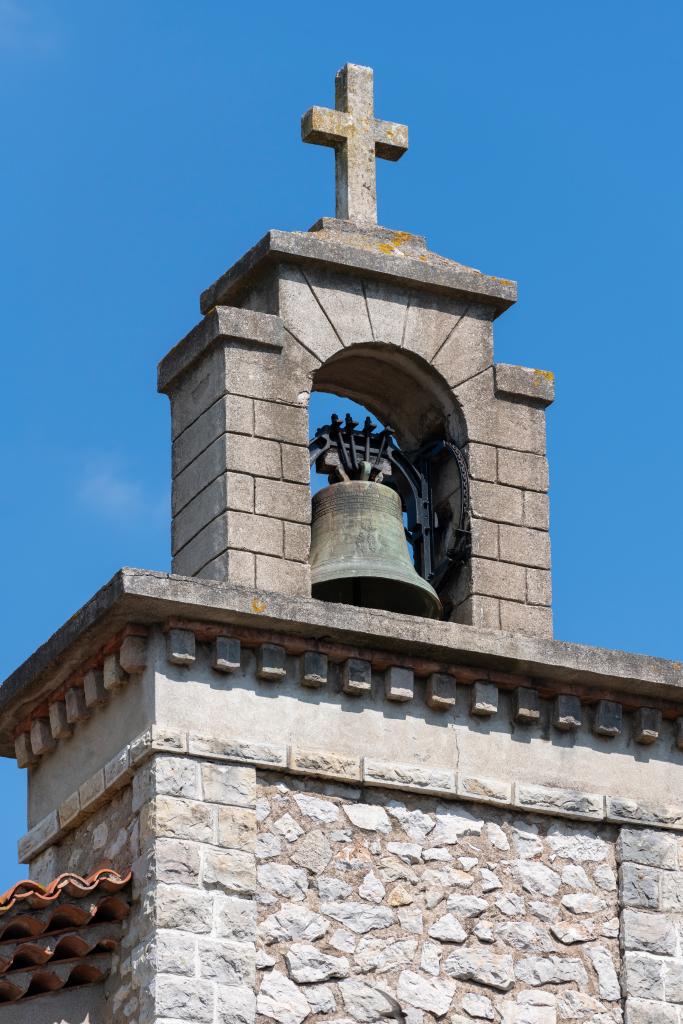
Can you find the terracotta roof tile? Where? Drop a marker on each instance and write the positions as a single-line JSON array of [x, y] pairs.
[[62, 934]]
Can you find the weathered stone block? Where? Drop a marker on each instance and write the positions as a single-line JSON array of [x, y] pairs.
[[649, 933], [525, 382], [297, 541], [536, 510], [176, 818], [281, 422], [356, 676], [468, 349], [24, 751], [230, 414], [235, 918], [236, 453], [526, 706], [229, 871], [59, 724], [228, 963], [93, 688], [639, 886], [567, 802], [325, 764], [490, 791], [440, 691], [113, 675], [283, 500], [181, 646], [283, 576], [228, 492], [498, 579], [236, 828], [534, 620], [567, 713], [495, 502], [69, 810], [484, 699], [522, 469], [399, 683], [524, 546], [484, 538], [494, 420], [42, 740], [314, 669], [133, 654], [296, 465], [647, 1011], [181, 998], [271, 662], [225, 784], [226, 654], [407, 776], [264, 755], [177, 862], [538, 587], [643, 975], [647, 725], [607, 719], [646, 846], [92, 791], [671, 899], [40, 836]]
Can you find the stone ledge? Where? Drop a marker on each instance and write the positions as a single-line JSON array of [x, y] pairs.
[[222, 324], [147, 597], [443, 781], [430, 271]]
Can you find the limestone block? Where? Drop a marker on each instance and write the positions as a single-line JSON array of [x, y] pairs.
[[567, 802], [647, 1011], [482, 461], [42, 740], [525, 618], [297, 542], [176, 818], [484, 538], [228, 492], [607, 720], [280, 422], [538, 587], [226, 784], [229, 871], [647, 846], [236, 453], [672, 892], [24, 751], [69, 810], [59, 724], [92, 792], [265, 755], [522, 469], [325, 764], [399, 683], [38, 838], [469, 347], [226, 655], [495, 502], [235, 918], [181, 998], [536, 510], [387, 307], [296, 464], [639, 886], [649, 933], [524, 546], [133, 654], [236, 828], [93, 688], [271, 662], [314, 669], [526, 706], [645, 813], [644, 975], [489, 790], [484, 699], [239, 567], [356, 676], [113, 675], [478, 611], [283, 500], [181, 647], [429, 323], [493, 419], [498, 579], [228, 963], [567, 713], [408, 776], [281, 1000], [302, 314], [343, 301], [647, 725], [283, 576], [525, 382], [440, 691], [230, 414]]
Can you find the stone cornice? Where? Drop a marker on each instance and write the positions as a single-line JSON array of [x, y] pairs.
[[146, 597], [375, 257]]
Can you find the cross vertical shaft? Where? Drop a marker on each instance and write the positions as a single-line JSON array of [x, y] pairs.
[[357, 137]]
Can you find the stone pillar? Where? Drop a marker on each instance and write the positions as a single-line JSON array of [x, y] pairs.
[[651, 900], [241, 495]]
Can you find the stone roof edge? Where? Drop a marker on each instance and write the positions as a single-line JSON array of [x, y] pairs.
[[302, 247], [145, 597]]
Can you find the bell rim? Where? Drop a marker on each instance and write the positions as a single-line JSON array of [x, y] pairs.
[[331, 572]]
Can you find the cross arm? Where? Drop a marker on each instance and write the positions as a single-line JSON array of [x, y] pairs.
[[326, 127], [391, 140]]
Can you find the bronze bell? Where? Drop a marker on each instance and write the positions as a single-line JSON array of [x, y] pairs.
[[359, 551]]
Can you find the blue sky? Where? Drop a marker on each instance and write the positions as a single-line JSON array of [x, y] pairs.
[[148, 145]]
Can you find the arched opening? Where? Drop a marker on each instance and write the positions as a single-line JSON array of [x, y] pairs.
[[399, 390]]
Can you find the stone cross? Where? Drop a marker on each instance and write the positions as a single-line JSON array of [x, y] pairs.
[[357, 138]]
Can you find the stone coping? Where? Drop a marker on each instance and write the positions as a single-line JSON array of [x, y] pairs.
[[428, 271], [146, 597], [442, 782]]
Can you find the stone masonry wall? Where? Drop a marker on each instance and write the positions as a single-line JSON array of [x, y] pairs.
[[409, 909]]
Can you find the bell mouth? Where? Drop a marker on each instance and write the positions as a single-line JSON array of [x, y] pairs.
[[389, 595]]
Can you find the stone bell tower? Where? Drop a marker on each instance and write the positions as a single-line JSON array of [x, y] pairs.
[[260, 793]]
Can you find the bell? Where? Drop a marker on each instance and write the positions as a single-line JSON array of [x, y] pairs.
[[359, 551]]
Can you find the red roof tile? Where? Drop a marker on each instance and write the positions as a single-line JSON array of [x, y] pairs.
[[69, 884]]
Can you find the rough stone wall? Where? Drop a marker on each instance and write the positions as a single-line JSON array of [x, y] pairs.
[[399, 905]]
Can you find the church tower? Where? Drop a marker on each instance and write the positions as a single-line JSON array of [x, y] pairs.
[[334, 767]]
